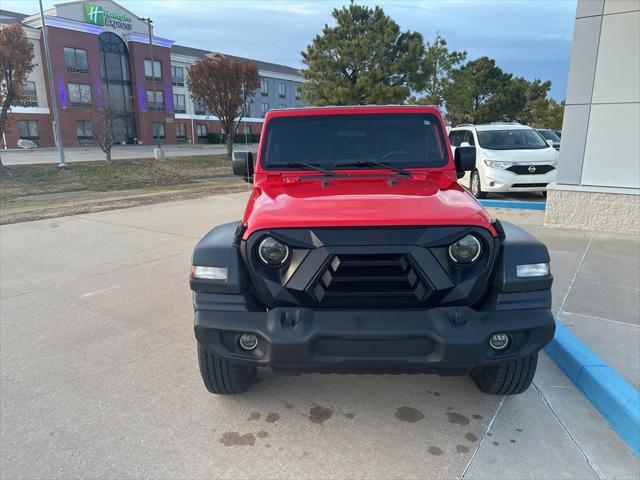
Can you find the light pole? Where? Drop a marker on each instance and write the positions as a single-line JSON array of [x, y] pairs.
[[54, 100], [153, 74]]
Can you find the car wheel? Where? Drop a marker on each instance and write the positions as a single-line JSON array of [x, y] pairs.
[[476, 186], [221, 376], [506, 378]]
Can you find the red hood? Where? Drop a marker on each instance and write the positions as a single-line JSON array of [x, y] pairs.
[[296, 202]]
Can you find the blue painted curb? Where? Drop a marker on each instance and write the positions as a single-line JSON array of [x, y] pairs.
[[613, 396], [513, 204]]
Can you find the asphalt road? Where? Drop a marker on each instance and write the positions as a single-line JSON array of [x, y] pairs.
[[99, 379], [119, 152]]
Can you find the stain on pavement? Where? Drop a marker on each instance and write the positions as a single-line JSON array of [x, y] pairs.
[[435, 451], [272, 417], [320, 414], [457, 418], [231, 439], [409, 414]]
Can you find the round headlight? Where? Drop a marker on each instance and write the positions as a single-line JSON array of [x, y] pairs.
[[466, 250], [273, 252]]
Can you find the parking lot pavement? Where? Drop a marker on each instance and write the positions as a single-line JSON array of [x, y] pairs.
[[119, 152], [99, 376]]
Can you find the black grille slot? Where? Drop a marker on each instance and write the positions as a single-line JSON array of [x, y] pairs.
[[524, 169], [529, 185], [370, 280]]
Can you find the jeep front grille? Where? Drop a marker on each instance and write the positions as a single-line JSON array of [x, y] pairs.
[[370, 280]]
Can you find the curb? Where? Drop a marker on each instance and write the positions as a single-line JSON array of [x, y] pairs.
[[613, 396], [513, 204]]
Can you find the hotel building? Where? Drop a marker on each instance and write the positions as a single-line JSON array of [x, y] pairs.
[[100, 47]]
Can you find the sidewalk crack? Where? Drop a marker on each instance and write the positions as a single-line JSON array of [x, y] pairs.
[[566, 430], [475, 452]]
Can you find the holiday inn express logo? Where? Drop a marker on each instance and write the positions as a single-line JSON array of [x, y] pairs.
[[98, 15], [94, 14]]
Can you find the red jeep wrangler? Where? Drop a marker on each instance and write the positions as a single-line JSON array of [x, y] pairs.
[[359, 252]]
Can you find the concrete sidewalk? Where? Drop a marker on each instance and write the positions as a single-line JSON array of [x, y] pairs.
[[99, 374], [119, 152]]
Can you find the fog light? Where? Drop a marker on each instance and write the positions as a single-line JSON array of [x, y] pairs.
[[248, 341], [499, 341]]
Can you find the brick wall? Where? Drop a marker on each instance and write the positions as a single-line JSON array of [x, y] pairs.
[[607, 212]]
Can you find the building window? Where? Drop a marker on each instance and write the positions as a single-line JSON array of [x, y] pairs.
[[265, 108], [296, 90], [247, 130], [282, 90], [80, 95], [30, 98], [179, 103], [201, 128], [181, 133], [29, 130], [158, 131], [152, 70], [282, 106], [76, 60], [199, 108], [155, 101], [264, 87], [84, 133], [177, 76]]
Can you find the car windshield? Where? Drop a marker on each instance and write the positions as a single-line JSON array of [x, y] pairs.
[[511, 139], [549, 135], [355, 141]]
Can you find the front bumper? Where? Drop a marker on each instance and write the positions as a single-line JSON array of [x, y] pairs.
[[497, 180], [445, 340]]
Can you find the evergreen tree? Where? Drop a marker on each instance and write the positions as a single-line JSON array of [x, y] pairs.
[[364, 59]]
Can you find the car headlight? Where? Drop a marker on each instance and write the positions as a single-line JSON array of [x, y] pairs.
[[466, 250], [273, 252], [497, 164]]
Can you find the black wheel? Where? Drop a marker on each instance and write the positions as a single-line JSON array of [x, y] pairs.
[[476, 186], [221, 376], [507, 378]]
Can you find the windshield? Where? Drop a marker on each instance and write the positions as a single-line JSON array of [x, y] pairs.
[[349, 141], [549, 135], [511, 139]]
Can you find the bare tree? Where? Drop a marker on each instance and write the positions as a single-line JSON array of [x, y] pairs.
[[103, 118], [224, 86], [16, 55]]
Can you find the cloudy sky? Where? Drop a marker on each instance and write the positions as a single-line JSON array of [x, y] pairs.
[[529, 38]]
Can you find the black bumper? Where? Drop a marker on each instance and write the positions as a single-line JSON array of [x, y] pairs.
[[445, 340]]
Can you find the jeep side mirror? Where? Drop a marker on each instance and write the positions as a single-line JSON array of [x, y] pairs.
[[242, 164], [465, 160]]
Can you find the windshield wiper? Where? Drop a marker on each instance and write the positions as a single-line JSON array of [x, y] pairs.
[[308, 166], [371, 163]]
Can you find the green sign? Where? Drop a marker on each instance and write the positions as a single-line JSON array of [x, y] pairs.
[[98, 15]]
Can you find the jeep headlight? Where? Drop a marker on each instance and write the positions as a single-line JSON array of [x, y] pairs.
[[497, 164], [273, 252], [466, 250]]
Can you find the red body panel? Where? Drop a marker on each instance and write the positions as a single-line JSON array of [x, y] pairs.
[[290, 199]]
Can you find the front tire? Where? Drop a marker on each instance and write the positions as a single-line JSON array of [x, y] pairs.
[[221, 376], [476, 185], [506, 378]]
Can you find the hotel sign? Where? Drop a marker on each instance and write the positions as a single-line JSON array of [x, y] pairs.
[[98, 15]]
